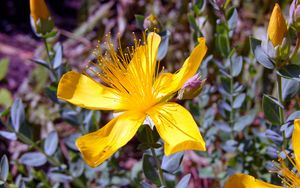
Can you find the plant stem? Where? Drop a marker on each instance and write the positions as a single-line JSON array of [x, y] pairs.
[[29, 142], [160, 172], [52, 71], [48, 52], [279, 89]]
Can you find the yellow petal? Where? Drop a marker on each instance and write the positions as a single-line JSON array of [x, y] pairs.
[[277, 26], [246, 181], [38, 10], [295, 142], [98, 146], [176, 127], [145, 57], [188, 69], [82, 91]]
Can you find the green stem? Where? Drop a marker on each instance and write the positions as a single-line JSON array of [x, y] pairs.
[[279, 89], [281, 113], [52, 71], [160, 172], [48, 52]]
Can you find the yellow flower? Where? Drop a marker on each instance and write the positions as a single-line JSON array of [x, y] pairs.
[[277, 26], [38, 10], [132, 85], [289, 178]]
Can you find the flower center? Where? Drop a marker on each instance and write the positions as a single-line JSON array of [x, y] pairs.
[[130, 72]]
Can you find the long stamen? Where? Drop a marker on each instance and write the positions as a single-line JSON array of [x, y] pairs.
[[290, 178], [129, 72]]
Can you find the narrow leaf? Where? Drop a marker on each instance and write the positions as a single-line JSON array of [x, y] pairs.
[[4, 168], [183, 183], [51, 143], [17, 114], [33, 159], [172, 163]]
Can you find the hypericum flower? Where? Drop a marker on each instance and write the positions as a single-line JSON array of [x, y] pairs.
[[290, 178], [277, 26], [132, 85]]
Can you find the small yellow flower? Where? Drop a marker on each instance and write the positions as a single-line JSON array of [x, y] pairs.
[[277, 26], [133, 86], [289, 178], [38, 10]]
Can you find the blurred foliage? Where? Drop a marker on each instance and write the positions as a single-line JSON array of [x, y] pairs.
[[245, 110]]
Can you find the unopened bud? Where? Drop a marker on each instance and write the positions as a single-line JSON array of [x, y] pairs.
[[277, 26], [151, 22], [40, 18], [191, 88]]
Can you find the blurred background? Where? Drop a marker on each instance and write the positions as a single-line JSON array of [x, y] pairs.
[[80, 24]]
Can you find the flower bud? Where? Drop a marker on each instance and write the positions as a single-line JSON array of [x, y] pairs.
[[277, 26], [191, 88], [294, 15], [40, 18], [151, 22]]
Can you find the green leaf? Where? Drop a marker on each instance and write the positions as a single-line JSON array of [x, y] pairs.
[[163, 46], [144, 132], [58, 56], [193, 23], [8, 135], [263, 58], [77, 168], [244, 121], [271, 108], [139, 19], [41, 62], [291, 71], [51, 143], [293, 116], [232, 22], [17, 114], [183, 183], [5, 98], [149, 169], [4, 64], [254, 43], [4, 169], [238, 101], [172, 163], [290, 88], [223, 44], [33, 159], [58, 177], [236, 66]]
